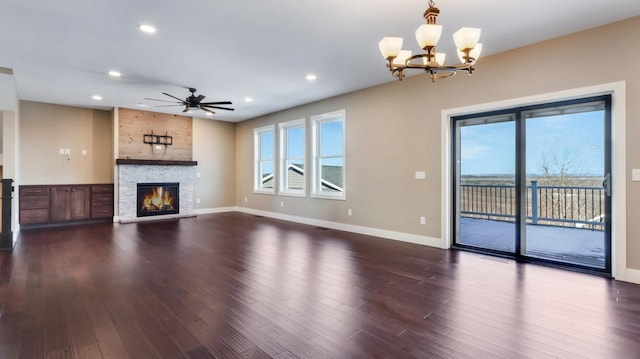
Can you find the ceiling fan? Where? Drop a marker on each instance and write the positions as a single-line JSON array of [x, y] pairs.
[[194, 102]]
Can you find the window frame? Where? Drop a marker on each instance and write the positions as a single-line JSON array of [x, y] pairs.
[[284, 158], [258, 161], [316, 138]]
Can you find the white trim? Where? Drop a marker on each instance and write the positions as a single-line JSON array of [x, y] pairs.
[[283, 142], [619, 216], [316, 181], [214, 210], [376, 232], [257, 146], [633, 276]]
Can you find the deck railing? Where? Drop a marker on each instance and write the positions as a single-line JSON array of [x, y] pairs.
[[567, 206]]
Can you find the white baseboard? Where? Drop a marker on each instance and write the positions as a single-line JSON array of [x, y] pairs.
[[632, 276], [215, 210], [398, 236]]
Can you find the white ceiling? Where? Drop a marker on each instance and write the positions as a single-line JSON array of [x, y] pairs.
[[61, 50]]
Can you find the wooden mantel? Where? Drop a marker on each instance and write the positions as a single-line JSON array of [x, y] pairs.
[[128, 161]]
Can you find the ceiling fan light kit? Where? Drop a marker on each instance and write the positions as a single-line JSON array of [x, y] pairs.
[[194, 103], [432, 62]]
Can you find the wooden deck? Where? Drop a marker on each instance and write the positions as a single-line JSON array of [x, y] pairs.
[[571, 245], [233, 285]]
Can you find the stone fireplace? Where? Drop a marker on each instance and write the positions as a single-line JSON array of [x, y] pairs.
[[177, 176]]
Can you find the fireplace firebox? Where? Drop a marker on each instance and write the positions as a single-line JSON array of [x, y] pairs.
[[156, 199]]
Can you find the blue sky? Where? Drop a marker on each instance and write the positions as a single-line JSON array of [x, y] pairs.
[[490, 148]]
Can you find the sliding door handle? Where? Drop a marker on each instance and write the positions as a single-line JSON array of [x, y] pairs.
[[606, 184]]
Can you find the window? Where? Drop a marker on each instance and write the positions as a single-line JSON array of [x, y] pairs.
[[292, 158], [264, 145], [328, 179]]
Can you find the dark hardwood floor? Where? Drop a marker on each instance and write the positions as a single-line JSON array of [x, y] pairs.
[[237, 286]]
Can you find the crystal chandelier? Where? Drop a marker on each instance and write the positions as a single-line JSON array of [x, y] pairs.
[[432, 62]]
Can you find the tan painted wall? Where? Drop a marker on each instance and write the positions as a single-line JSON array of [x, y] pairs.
[[214, 149], [134, 124], [393, 130], [45, 128]]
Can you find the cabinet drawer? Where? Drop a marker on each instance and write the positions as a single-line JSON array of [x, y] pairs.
[[33, 191], [104, 188], [30, 216], [101, 198], [101, 211], [34, 202]]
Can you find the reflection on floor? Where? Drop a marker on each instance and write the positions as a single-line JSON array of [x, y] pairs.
[[570, 245]]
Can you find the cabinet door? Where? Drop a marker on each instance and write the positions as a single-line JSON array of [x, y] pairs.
[[59, 196], [79, 202], [70, 203]]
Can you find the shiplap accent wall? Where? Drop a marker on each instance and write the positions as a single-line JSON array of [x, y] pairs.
[[134, 124]]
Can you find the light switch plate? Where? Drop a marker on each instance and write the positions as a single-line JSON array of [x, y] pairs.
[[635, 175], [421, 175]]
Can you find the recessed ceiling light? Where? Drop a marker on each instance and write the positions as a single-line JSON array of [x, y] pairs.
[[248, 99], [96, 97], [147, 28], [114, 73], [142, 104], [311, 77], [208, 114]]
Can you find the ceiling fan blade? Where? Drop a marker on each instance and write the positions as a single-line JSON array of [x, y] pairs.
[[166, 94], [218, 107], [169, 105], [155, 99], [207, 110], [217, 103], [200, 98], [186, 109]]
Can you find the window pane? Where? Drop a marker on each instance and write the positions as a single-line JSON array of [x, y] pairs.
[[331, 174], [295, 175], [266, 174], [266, 145], [295, 142], [331, 139]]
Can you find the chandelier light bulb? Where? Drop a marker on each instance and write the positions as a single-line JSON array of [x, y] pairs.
[[390, 46], [402, 57], [428, 35], [466, 38]]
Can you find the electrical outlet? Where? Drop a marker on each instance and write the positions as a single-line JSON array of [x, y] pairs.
[[281, 204], [349, 212], [197, 174], [84, 152], [61, 151], [197, 200], [158, 147], [423, 220], [246, 200]]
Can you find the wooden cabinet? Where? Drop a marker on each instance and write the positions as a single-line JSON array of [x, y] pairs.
[[34, 204], [70, 203], [102, 201], [55, 204]]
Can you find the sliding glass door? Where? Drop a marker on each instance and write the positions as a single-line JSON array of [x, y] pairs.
[[534, 182], [485, 180]]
